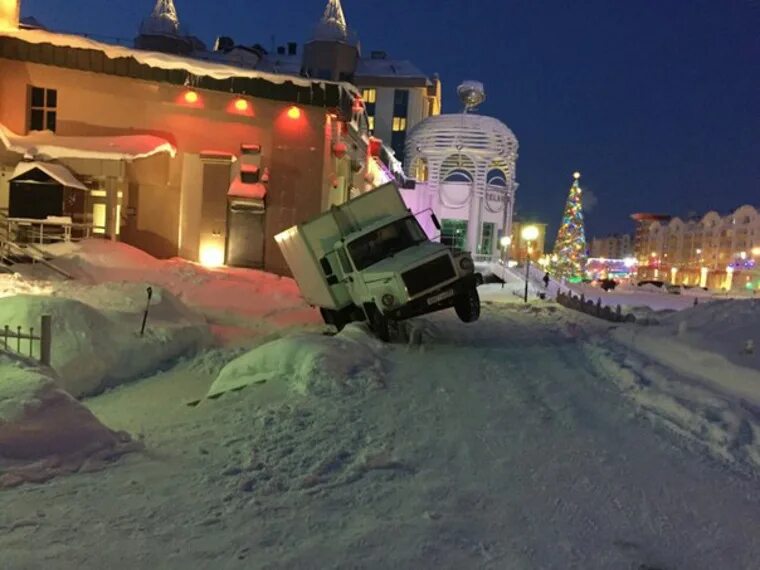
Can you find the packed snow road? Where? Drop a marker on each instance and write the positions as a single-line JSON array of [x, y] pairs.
[[494, 446]]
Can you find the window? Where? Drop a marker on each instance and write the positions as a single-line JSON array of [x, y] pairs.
[[486, 239], [420, 170], [398, 141], [458, 175], [454, 233], [371, 122], [43, 105], [399, 124], [385, 242], [369, 95], [496, 177], [400, 103]]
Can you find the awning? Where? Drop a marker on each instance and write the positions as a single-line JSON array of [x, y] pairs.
[[47, 145], [57, 172]]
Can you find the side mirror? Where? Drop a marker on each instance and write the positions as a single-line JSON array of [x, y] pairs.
[[436, 223]]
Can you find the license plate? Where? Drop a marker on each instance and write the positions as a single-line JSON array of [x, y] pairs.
[[440, 297]]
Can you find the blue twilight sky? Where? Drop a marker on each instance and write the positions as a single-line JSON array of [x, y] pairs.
[[656, 102]]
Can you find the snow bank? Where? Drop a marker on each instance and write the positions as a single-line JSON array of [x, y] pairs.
[[44, 431], [696, 373], [96, 342], [241, 302], [307, 363]]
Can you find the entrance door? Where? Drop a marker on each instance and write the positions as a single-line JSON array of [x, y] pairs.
[[245, 235]]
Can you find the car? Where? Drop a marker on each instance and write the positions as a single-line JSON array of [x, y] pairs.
[[651, 282], [608, 284]]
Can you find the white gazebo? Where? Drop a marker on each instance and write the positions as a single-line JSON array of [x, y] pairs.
[[464, 165]]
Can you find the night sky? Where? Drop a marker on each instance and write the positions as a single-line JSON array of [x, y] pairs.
[[656, 102]]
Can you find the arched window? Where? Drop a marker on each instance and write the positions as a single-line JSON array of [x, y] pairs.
[[420, 170], [458, 175], [458, 168], [496, 177]]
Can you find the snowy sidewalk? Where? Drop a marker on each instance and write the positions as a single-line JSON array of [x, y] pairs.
[[494, 445]]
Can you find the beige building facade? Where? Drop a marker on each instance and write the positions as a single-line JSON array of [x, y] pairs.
[[715, 251], [175, 156]]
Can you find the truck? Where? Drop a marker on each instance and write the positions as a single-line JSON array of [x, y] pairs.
[[370, 260]]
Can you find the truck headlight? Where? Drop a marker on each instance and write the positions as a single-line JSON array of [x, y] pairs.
[[466, 264], [389, 300]]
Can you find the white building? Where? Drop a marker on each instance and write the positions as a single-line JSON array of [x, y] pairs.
[[464, 165]]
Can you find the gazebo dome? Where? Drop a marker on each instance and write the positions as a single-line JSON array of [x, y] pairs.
[[462, 133]]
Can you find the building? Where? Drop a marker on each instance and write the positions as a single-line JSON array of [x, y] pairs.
[[615, 246], [173, 154], [464, 168], [715, 251], [396, 94], [519, 249]]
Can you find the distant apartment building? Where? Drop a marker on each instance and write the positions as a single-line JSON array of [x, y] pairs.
[[615, 246], [714, 250]]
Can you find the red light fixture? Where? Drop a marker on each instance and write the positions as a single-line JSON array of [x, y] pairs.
[[191, 97], [294, 113]]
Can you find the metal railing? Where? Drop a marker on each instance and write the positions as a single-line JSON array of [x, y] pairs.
[[44, 338]]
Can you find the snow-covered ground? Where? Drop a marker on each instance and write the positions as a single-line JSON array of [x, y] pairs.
[[535, 438]]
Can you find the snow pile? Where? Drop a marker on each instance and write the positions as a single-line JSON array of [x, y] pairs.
[[698, 373], [308, 363], [236, 302], [96, 340], [726, 327], [44, 431]]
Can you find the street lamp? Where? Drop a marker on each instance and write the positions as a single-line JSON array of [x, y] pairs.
[[505, 242], [529, 234]]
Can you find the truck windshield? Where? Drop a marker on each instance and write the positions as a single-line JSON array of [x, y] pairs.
[[385, 242]]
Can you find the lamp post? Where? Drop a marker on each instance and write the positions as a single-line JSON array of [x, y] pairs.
[[529, 234], [505, 242]]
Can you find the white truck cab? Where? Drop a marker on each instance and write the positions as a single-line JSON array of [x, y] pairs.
[[369, 260]]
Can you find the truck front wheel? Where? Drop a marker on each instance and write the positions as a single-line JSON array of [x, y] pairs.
[[378, 323], [467, 306], [332, 318]]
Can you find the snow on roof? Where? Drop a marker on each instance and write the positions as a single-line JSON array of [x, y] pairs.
[[50, 146], [388, 68], [159, 60], [239, 189], [57, 172]]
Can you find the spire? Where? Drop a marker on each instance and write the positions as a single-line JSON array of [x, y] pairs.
[[332, 26], [163, 20]]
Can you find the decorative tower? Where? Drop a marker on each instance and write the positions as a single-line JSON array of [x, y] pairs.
[[163, 20], [9, 14], [569, 259], [332, 26], [161, 31], [331, 53]]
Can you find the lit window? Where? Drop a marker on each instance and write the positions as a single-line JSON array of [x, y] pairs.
[[99, 218], [369, 95], [399, 124], [43, 105], [371, 122]]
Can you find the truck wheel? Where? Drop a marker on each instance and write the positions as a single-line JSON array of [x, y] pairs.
[[467, 306], [332, 318], [378, 324]]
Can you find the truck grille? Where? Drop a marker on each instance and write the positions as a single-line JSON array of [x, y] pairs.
[[428, 275]]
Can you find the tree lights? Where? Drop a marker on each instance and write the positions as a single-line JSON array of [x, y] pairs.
[[570, 247]]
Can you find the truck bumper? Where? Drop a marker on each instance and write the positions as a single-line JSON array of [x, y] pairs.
[[430, 303]]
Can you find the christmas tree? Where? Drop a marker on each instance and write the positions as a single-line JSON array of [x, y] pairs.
[[569, 259]]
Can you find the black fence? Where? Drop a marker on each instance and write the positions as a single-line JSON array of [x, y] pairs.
[[23, 342], [588, 307]]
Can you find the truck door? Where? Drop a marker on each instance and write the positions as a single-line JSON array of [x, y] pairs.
[[335, 273]]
